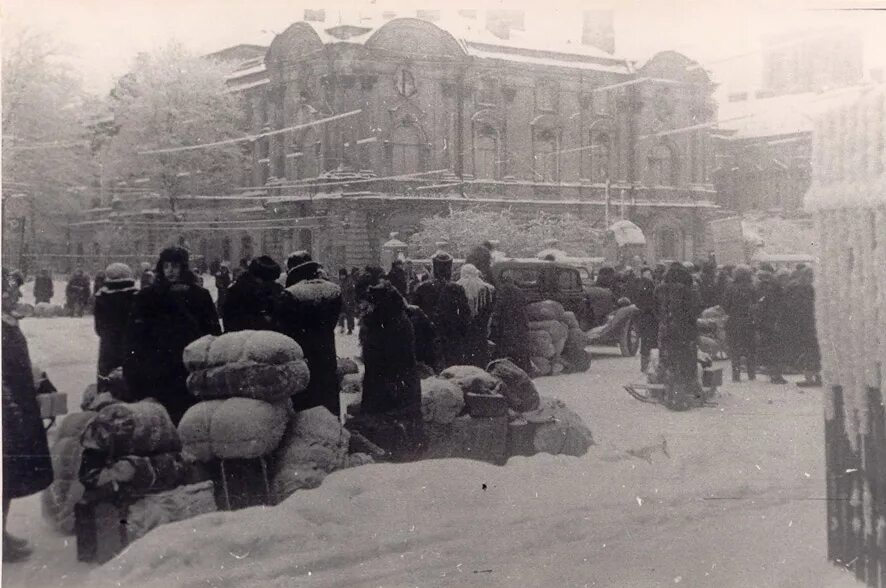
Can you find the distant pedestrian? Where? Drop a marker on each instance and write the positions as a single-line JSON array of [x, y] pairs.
[[799, 327], [113, 303], [643, 297], [98, 282], [769, 316], [738, 304], [77, 293], [166, 317], [446, 304], [223, 280], [43, 287], [146, 275], [481, 258], [251, 300], [707, 284], [398, 278], [347, 283], [678, 308]]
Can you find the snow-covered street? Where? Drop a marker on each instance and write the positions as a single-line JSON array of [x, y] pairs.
[[725, 496]]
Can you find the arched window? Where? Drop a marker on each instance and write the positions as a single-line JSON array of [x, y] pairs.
[[546, 157], [661, 166], [406, 150], [600, 152], [667, 244], [486, 153]]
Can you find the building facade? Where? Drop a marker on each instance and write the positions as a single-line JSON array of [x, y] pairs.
[[371, 127]]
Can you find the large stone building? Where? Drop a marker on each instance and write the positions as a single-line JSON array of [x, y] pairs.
[[445, 115]]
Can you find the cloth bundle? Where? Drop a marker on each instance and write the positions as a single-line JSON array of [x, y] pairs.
[[245, 380], [315, 444], [132, 449], [178, 504], [250, 364], [234, 428], [58, 500], [556, 341]]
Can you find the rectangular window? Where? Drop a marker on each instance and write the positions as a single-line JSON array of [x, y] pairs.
[[546, 96], [487, 92]]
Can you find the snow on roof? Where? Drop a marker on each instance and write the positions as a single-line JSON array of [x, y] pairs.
[[781, 115]]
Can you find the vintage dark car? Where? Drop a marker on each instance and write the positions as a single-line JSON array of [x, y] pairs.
[[595, 308]]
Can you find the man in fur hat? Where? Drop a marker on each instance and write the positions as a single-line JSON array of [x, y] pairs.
[[308, 311], [250, 301], [446, 304], [166, 317]]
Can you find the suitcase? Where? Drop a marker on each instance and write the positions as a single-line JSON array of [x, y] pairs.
[[101, 530], [241, 483]]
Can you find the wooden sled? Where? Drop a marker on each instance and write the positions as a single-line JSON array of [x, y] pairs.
[[663, 394]]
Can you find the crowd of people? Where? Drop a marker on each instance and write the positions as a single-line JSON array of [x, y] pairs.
[[412, 323], [770, 316]]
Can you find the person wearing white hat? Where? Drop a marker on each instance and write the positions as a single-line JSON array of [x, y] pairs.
[[113, 302]]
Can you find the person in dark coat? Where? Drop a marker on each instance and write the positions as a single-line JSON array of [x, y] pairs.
[[724, 278], [347, 283], [146, 275], [799, 326], [223, 280], [251, 300], [390, 380], [113, 304], [769, 315], [308, 311], [509, 324], [481, 297], [166, 317], [398, 277], [446, 304], [481, 258], [43, 287], [678, 307], [98, 282], [643, 296], [422, 327], [707, 285], [738, 304], [77, 293], [27, 467]]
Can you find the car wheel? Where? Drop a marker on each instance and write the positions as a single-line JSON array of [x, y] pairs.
[[630, 339]]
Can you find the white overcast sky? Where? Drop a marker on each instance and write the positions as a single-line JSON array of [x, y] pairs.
[[102, 36]]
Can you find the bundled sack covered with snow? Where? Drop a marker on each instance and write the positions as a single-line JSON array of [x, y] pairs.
[[48, 310], [441, 400], [570, 320], [558, 430], [234, 428], [574, 356], [471, 379], [135, 475], [557, 332], [517, 386], [345, 366], [315, 444], [58, 500], [541, 365], [178, 504], [263, 365], [24, 309], [137, 428], [546, 310]]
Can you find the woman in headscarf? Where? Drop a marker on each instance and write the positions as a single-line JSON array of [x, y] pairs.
[[27, 467], [679, 306], [480, 301], [113, 303]]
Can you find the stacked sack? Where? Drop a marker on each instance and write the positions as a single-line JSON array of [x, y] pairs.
[[556, 342], [314, 445], [244, 381], [58, 500], [131, 450], [495, 414]]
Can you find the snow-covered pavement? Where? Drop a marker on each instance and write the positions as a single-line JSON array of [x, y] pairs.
[[725, 496]]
